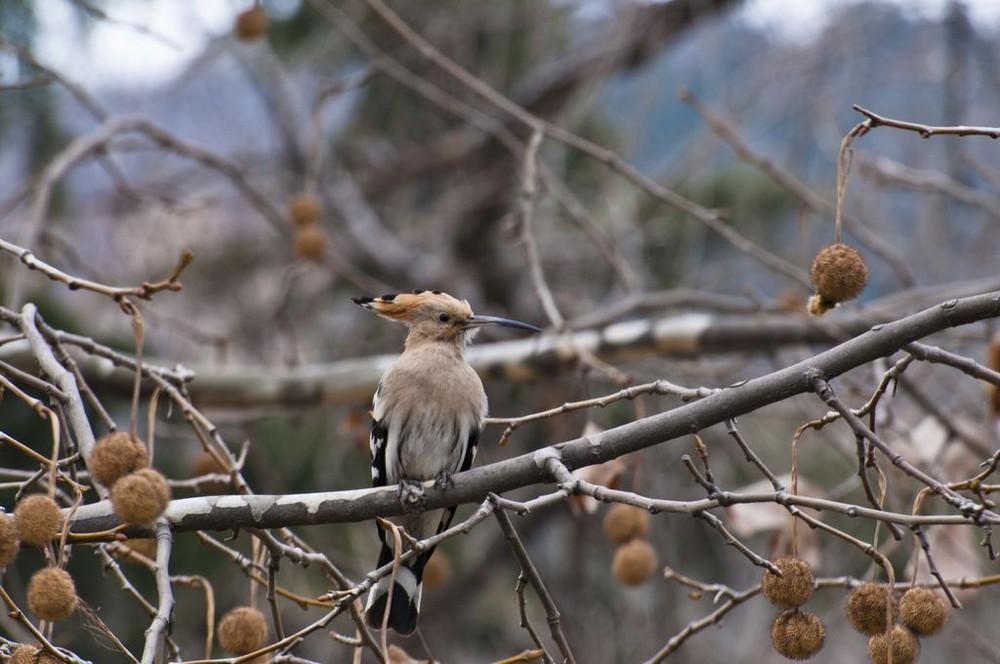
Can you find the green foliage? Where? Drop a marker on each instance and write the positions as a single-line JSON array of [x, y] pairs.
[[751, 198]]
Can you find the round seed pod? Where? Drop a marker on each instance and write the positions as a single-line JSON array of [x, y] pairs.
[[140, 497], [797, 634], [145, 546], [839, 273], [252, 24], [206, 464], [25, 654], [905, 647], [38, 519], [625, 522], [866, 607], [242, 630], [793, 588], [52, 594], [437, 571], [634, 562], [923, 611], [310, 242], [305, 209], [115, 456], [9, 541]]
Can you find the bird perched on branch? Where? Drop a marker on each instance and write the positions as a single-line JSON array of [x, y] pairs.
[[427, 415]]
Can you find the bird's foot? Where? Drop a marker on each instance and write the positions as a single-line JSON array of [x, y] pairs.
[[444, 480], [411, 495]]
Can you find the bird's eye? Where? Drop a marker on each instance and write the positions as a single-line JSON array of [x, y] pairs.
[[444, 318]]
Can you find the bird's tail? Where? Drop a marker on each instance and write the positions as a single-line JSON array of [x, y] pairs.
[[405, 593]]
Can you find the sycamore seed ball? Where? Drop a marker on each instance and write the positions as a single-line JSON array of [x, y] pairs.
[[25, 654], [305, 209], [310, 242], [52, 594], [140, 497], [625, 522], [905, 647], [242, 630], [252, 23], [38, 519], [839, 273], [797, 634], [145, 546], [793, 588], [923, 611], [866, 608], [634, 562], [9, 541], [206, 464], [115, 456]]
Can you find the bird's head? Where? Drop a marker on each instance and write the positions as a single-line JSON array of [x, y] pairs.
[[434, 316]]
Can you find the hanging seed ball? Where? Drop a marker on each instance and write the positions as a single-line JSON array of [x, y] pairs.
[[25, 654], [634, 562], [140, 497], [115, 456], [310, 242], [38, 519], [923, 611], [242, 630], [52, 594], [437, 571], [839, 273], [9, 541], [145, 546], [866, 608], [905, 647], [793, 587], [797, 634], [206, 464], [252, 23], [305, 209], [625, 522]]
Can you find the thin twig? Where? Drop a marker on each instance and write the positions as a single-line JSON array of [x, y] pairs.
[[926, 131], [529, 570]]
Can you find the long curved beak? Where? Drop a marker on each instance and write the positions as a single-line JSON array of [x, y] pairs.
[[480, 321]]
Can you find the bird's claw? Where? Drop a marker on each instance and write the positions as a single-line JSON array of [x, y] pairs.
[[444, 480], [411, 495]]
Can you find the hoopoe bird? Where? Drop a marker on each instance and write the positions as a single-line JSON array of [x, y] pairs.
[[427, 415]]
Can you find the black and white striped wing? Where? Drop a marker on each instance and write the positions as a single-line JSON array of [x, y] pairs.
[[378, 441]]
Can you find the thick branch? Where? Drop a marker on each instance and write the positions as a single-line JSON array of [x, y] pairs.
[[354, 380], [475, 485]]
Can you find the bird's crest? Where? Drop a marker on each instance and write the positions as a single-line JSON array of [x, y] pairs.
[[404, 307]]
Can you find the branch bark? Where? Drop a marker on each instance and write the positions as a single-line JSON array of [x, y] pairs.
[[222, 512]]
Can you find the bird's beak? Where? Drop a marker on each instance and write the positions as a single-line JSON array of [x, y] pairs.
[[480, 321]]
